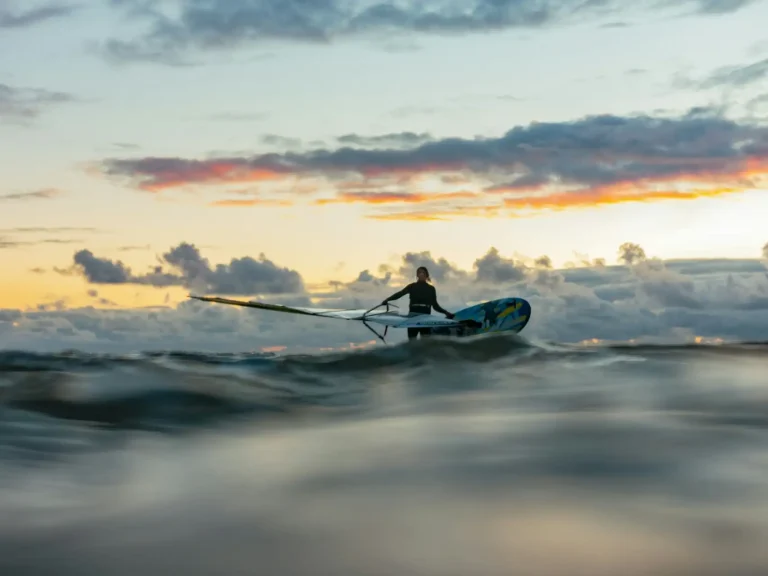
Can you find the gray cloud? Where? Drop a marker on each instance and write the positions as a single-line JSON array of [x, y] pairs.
[[715, 266], [46, 229], [492, 271], [60, 304], [722, 6], [22, 105], [187, 268], [281, 141], [190, 325], [19, 236], [439, 268], [401, 139], [226, 24], [636, 155], [648, 301], [45, 194], [355, 294], [358, 293], [758, 102], [8, 243], [365, 277], [738, 76], [630, 253], [10, 315], [641, 299], [661, 287], [24, 18], [103, 301], [494, 268], [101, 271], [133, 248]]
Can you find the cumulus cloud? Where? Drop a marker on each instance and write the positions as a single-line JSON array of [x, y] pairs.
[[593, 161], [662, 288], [187, 26], [439, 268], [101, 271], [630, 253], [22, 105], [191, 325], [186, 267], [494, 268], [12, 15], [10, 315], [641, 300]]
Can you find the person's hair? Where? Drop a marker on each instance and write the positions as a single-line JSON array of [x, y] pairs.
[[425, 271]]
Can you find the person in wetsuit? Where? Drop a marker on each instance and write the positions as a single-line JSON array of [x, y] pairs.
[[423, 297]]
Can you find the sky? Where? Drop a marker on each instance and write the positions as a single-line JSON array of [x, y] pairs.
[[607, 160]]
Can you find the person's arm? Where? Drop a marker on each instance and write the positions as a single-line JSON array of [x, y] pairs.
[[398, 294], [437, 306]]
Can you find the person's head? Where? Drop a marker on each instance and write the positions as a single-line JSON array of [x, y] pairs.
[[422, 273]]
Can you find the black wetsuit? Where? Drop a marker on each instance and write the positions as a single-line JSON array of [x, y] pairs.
[[423, 297]]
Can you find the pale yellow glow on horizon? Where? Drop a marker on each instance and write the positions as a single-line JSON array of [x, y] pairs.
[[315, 240]]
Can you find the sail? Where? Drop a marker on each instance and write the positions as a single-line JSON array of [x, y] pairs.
[[383, 317]]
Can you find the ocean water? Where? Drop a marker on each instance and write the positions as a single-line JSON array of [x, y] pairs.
[[492, 456]]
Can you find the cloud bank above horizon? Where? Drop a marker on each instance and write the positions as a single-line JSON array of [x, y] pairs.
[[641, 299], [593, 161]]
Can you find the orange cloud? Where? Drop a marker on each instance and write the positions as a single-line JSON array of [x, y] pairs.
[[737, 182], [395, 197], [588, 197], [607, 195], [594, 160], [441, 214], [231, 202], [211, 172]]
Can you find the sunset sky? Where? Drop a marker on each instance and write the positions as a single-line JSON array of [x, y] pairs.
[[284, 149]]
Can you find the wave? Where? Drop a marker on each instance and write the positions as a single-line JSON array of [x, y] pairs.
[[179, 390], [479, 349], [657, 450]]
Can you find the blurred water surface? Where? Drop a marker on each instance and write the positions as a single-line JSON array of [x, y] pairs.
[[488, 456]]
